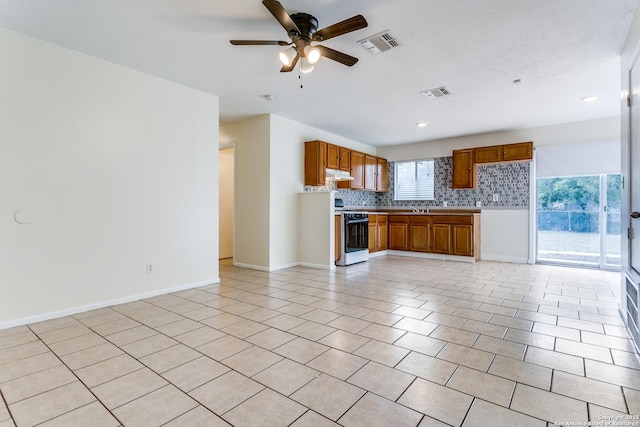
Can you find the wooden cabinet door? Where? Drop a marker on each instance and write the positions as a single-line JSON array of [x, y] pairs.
[[370, 172], [373, 241], [398, 232], [519, 151], [488, 154], [441, 238], [462, 239], [315, 163], [464, 169], [338, 237], [419, 237], [383, 232], [333, 156], [382, 176], [357, 172], [344, 159]]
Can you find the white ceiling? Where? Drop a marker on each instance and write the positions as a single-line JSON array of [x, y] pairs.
[[562, 50]]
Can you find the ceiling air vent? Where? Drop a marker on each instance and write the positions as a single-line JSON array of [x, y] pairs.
[[436, 93], [379, 43]]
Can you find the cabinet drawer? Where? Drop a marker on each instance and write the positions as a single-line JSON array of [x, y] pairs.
[[398, 218], [419, 219], [457, 219]]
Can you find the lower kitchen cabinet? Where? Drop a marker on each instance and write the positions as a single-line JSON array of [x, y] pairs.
[[441, 238], [419, 233], [378, 232], [462, 240], [398, 232]]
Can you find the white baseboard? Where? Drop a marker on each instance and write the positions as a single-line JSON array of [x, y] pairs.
[[431, 256], [318, 266], [102, 304], [267, 269]]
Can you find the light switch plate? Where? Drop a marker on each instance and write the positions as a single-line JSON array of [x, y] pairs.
[[478, 204]]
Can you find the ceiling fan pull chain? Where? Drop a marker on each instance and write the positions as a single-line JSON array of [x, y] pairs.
[[300, 75]]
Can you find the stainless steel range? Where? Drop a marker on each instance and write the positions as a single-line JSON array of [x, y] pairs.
[[354, 238]]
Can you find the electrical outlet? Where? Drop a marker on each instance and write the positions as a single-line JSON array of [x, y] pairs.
[[478, 204], [444, 204], [496, 197], [149, 268]]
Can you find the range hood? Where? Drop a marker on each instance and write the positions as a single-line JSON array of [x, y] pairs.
[[338, 175]]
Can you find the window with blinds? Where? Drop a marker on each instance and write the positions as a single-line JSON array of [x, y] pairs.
[[414, 180]]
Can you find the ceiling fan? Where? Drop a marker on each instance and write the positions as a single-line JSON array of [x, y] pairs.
[[302, 29]]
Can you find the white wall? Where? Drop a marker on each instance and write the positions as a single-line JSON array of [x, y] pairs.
[[589, 158], [316, 230], [116, 168], [225, 167], [252, 190]]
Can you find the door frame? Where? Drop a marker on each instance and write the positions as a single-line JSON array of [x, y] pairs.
[[221, 147]]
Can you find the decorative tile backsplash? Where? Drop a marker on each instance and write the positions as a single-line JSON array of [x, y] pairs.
[[510, 181]]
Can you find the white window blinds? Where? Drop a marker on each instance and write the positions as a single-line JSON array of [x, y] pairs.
[[414, 180]]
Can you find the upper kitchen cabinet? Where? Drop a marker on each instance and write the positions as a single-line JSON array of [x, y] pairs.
[[357, 172], [504, 153], [370, 172], [333, 156], [344, 163], [315, 163], [382, 177], [464, 169]]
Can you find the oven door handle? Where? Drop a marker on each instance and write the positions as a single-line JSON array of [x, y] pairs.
[[356, 221]]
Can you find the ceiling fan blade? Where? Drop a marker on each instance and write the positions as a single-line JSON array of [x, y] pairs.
[[286, 69], [348, 25], [340, 57], [259, 43], [281, 15]]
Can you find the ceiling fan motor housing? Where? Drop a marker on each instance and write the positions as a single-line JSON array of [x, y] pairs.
[[307, 24]]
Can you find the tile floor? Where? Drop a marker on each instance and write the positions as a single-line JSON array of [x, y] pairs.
[[392, 342]]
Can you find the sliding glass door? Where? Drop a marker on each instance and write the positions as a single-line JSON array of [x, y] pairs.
[[579, 220]]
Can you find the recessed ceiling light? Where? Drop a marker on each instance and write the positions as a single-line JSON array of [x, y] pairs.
[[516, 81], [269, 97], [589, 98], [422, 124]]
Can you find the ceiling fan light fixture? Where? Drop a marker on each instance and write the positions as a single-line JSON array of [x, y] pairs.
[[305, 66], [312, 54], [287, 56]]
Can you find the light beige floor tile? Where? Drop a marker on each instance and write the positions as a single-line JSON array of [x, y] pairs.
[[155, 408], [633, 400], [587, 351], [19, 338], [200, 336], [222, 320], [427, 367], [266, 409], [481, 316], [531, 338], [244, 329], [551, 359], [169, 358], [107, 370], [432, 422], [312, 331], [252, 360], [225, 392], [91, 355], [344, 341], [270, 338], [485, 386], [53, 324], [548, 406], [128, 387], [608, 341], [382, 380], [223, 347], [328, 396], [483, 413], [108, 327], [382, 318], [93, 414], [456, 336], [416, 326], [461, 355], [64, 333], [195, 373], [180, 327], [420, 343], [285, 322], [301, 350], [260, 314], [313, 419], [556, 331], [36, 383], [382, 333], [484, 328], [29, 365], [22, 351], [131, 335], [337, 363], [198, 416], [498, 346], [286, 376], [511, 322], [436, 401], [4, 412], [625, 358], [372, 411], [202, 313], [383, 353], [51, 404], [496, 308], [583, 325], [349, 324], [76, 344], [320, 316], [589, 390], [14, 330], [445, 319], [411, 312], [600, 414], [619, 375], [522, 372]]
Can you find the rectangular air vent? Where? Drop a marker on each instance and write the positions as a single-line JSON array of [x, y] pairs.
[[436, 93], [379, 43]]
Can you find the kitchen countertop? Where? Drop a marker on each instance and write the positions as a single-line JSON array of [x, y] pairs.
[[431, 211]]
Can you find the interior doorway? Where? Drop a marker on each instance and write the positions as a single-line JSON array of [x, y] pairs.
[[579, 220], [226, 201]]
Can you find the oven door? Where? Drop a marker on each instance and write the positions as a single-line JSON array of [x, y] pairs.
[[356, 235]]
